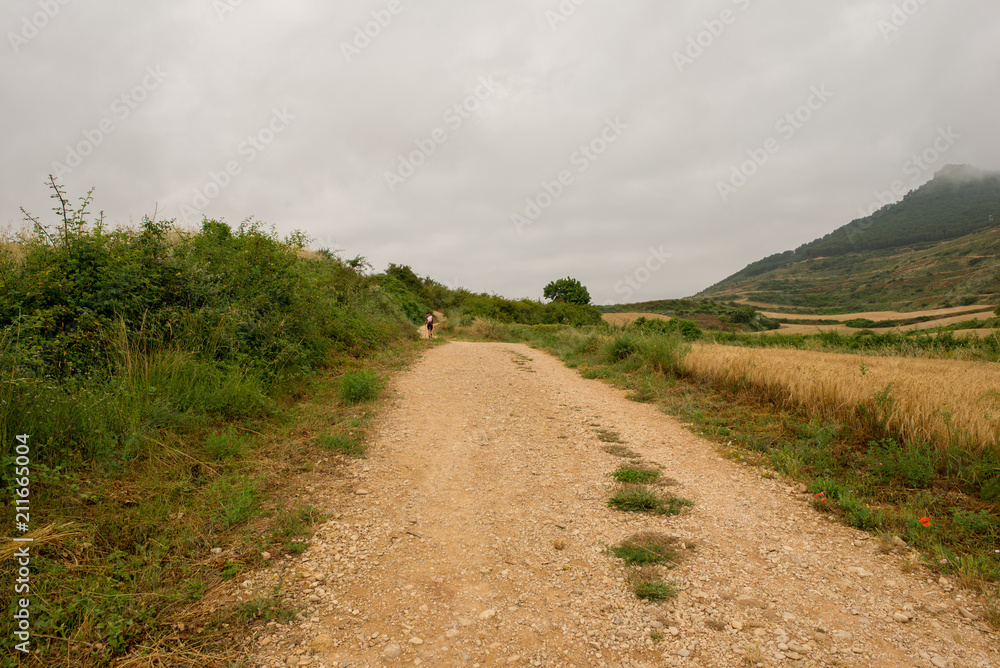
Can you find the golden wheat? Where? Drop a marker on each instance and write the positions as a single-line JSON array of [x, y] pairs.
[[927, 399], [622, 319], [887, 315]]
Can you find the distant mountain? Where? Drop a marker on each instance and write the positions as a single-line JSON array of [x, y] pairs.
[[950, 226]]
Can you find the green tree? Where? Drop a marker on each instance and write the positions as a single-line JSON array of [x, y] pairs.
[[568, 290]]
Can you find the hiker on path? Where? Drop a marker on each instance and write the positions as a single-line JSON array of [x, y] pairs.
[[430, 325]]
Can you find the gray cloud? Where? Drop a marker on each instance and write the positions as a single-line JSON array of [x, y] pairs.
[[228, 72]]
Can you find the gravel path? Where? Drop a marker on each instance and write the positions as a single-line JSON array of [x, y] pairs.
[[474, 535]]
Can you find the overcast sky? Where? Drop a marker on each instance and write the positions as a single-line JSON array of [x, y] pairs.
[[501, 144]]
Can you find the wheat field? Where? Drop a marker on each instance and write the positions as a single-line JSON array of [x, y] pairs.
[[624, 319], [927, 399]]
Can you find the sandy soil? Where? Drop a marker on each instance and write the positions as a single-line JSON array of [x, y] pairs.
[[475, 533]]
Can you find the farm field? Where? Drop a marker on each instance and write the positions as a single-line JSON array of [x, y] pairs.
[[968, 311], [844, 329], [921, 399], [622, 319]]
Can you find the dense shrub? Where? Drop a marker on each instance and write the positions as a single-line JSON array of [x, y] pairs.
[[107, 334]]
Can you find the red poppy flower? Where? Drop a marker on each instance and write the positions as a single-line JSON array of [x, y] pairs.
[[926, 521]]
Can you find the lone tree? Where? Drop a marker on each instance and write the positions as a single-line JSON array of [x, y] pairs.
[[568, 290]]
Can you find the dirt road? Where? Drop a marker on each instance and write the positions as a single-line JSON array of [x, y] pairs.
[[474, 535]]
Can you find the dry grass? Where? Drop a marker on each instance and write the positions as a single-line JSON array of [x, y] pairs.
[[885, 315], [753, 655], [622, 451], [49, 534], [12, 246], [921, 399], [991, 608], [622, 319]]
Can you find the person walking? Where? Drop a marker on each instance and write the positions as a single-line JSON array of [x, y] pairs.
[[430, 325]]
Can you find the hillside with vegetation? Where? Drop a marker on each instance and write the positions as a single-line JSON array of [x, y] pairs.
[[937, 247], [705, 313]]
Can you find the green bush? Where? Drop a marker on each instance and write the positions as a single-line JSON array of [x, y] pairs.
[[685, 328], [109, 335], [356, 387], [619, 349], [913, 464]]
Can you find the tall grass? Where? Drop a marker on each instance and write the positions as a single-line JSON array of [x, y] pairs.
[[920, 400]]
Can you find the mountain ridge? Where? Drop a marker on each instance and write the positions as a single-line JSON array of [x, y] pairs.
[[959, 201]]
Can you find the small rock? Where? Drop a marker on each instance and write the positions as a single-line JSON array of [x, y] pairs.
[[683, 652], [362, 492], [416, 641], [939, 662], [451, 633], [965, 613], [463, 621], [899, 542], [900, 617], [738, 625], [674, 631], [802, 489], [216, 550], [487, 614], [559, 544], [266, 556], [392, 650]]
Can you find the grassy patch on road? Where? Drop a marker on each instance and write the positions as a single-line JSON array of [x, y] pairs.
[[635, 475], [642, 499], [648, 584], [647, 547]]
